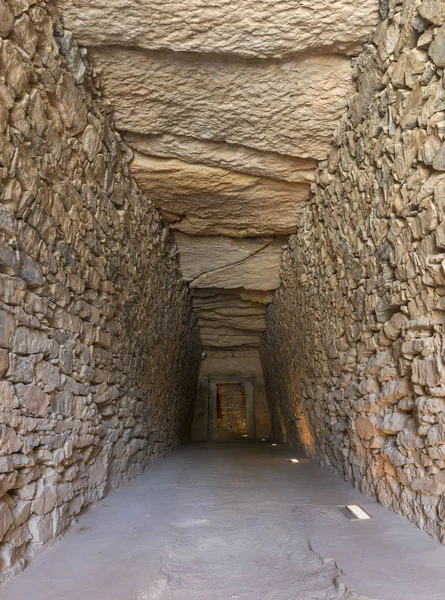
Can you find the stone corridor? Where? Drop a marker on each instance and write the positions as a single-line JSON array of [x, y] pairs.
[[227, 521], [222, 220]]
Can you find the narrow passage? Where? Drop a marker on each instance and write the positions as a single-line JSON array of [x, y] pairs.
[[229, 521]]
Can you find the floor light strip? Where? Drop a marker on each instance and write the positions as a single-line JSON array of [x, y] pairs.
[[358, 512]]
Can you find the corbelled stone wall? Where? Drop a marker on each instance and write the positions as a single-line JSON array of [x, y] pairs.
[[353, 350], [99, 350]]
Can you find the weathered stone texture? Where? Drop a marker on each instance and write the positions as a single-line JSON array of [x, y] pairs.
[[201, 200], [99, 351], [233, 157], [353, 350], [289, 107], [244, 28]]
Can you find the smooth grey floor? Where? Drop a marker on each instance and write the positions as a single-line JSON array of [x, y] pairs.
[[227, 521]]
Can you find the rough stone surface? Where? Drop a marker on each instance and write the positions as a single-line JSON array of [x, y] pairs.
[[233, 157], [288, 107], [353, 349], [247, 28], [99, 350], [202, 200], [230, 263]]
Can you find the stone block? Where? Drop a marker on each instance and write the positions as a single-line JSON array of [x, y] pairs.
[[7, 396], [6, 519], [33, 399], [7, 329], [31, 341], [62, 403], [30, 271], [366, 428], [393, 423], [6, 19], [9, 440]]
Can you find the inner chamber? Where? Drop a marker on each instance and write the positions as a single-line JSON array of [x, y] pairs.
[[231, 411]]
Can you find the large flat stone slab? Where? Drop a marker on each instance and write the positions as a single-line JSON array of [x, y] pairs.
[[215, 262], [226, 338], [200, 255], [201, 200], [287, 107], [227, 320], [245, 27], [234, 157], [215, 320], [219, 262], [260, 271], [234, 297]]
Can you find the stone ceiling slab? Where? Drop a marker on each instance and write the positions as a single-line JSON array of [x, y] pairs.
[[199, 255], [202, 200], [246, 323], [246, 27], [233, 157], [228, 339], [222, 306], [259, 271], [286, 107], [231, 297]]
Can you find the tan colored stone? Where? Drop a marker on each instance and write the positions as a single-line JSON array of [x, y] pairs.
[[9, 440], [7, 396], [218, 262], [202, 200], [246, 29], [290, 108], [33, 400], [233, 157], [437, 48], [366, 428], [6, 519], [7, 329], [6, 19]]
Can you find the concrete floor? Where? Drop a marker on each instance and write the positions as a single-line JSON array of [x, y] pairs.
[[227, 521]]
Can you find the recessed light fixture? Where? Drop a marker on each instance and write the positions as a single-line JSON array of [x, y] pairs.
[[244, 434], [263, 440], [273, 444], [294, 460], [358, 512]]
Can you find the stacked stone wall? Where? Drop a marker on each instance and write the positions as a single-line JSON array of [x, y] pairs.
[[354, 350], [99, 351]]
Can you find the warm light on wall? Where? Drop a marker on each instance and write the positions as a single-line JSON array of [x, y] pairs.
[[358, 512]]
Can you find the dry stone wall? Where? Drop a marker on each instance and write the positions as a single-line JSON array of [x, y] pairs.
[[99, 351], [354, 349]]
